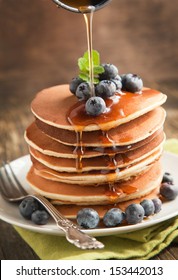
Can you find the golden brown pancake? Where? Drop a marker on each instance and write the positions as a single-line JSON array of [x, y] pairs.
[[71, 210], [125, 134], [57, 107], [96, 177], [97, 194], [106, 162], [48, 146]]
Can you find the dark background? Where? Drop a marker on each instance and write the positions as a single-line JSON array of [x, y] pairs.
[[40, 44], [39, 47]]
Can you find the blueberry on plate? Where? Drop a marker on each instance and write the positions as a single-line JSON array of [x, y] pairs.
[[168, 191], [28, 206], [83, 91], [167, 178], [110, 72], [95, 106], [88, 218], [157, 204], [134, 213], [132, 83], [105, 89], [113, 217], [148, 207], [40, 217], [74, 84]]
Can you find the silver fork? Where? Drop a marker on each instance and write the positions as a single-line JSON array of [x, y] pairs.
[[12, 191]]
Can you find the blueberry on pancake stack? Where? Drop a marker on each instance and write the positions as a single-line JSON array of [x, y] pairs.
[[96, 147]]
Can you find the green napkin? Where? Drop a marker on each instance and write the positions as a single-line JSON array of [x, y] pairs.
[[141, 244]]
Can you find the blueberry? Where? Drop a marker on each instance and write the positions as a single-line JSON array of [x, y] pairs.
[[28, 206], [132, 83], [95, 106], [167, 178], [113, 217], [40, 217], [148, 207], [134, 213], [118, 78], [110, 72], [168, 191], [105, 89], [74, 84], [88, 218], [83, 91], [158, 204], [118, 83]]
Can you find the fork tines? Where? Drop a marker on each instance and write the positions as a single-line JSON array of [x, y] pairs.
[[9, 184]]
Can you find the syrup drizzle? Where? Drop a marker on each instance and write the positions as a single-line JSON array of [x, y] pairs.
[[79, 151], [87, 12]]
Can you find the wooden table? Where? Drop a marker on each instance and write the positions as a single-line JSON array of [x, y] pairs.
[[39, 47]]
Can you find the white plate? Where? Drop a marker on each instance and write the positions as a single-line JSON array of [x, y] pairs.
[[9, 212]]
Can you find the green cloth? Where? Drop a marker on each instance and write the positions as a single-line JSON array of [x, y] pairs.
[[141, 244]]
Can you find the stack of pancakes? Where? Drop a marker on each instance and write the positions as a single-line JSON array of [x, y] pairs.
[[101, 162]]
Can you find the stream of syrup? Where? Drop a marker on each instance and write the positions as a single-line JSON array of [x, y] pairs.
[[88, 17]]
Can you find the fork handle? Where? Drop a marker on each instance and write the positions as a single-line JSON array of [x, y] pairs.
[[72, 232]]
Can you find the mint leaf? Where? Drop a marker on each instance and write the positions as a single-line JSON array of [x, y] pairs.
[[96, 58], [83, 64], [84, 77], [98, 69]]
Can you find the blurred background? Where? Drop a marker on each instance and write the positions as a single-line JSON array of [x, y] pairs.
[[40, 45]]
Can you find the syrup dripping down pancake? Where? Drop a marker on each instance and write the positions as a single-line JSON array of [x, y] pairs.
[[106, 162], [100, 194], [48, 146], [125, 134], [70, 211], [96, 177], [57, 107]]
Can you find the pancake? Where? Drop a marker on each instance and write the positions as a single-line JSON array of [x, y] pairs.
[[70, 211], [39, 141], [57, 107], [104, 161], [125, 134], [96, 177], [102, 194], [107, 162]]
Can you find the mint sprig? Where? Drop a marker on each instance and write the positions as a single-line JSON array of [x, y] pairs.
[[83, 63]]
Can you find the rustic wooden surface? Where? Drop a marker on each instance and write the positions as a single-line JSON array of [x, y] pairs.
[[39, 47]]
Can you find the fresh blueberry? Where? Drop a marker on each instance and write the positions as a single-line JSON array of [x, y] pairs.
[[113, 217], [118, 77], [110, 72], [148, 207], [105, 89], [167, 178], [132, 83], [118, 83], [40, 217], [95, 106], [28, 206], [74, 84], [88, 218], [83, 91], [134, 213], [158, 204], [168, 191]]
